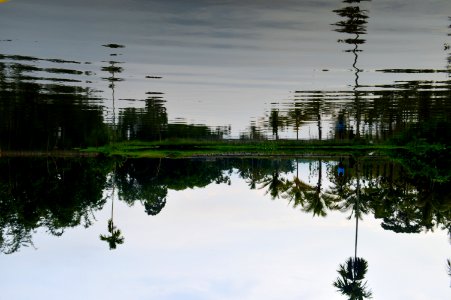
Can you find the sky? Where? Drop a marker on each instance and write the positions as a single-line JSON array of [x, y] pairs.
[[224, 242]]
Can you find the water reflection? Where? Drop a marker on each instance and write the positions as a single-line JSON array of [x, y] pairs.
[[354, 23], [403, 110], [47, 113], [40, 112], [61, 108]]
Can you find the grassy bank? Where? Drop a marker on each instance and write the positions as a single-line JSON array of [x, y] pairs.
[[193, 148]]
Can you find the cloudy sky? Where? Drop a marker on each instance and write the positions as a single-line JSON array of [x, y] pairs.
[[225, 242]]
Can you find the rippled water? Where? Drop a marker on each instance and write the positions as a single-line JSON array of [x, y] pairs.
[[230, 65]]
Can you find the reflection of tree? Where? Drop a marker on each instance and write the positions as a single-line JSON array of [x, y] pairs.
[[39, 113], [148, 123], [314, 107], [275, 122], [296, 116], [113, 69], [353, 22], [154, 119]]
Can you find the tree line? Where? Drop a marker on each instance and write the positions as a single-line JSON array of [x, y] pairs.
[[62, 193]]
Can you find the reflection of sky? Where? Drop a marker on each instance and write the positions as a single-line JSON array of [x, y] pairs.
[[224, 242], [224, 62]]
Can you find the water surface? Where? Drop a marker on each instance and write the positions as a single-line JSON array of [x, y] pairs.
[[229, 64]]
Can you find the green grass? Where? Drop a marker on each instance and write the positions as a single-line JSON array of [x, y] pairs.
[[192, 148]]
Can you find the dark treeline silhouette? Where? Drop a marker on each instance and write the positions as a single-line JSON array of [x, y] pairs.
[[402, 112], [408, 112], [62, 193], [52, 107], [47, 193], [151, 124], [47, 113], [48, 108]]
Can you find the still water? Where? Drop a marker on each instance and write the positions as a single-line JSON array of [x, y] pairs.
[[75, 74]]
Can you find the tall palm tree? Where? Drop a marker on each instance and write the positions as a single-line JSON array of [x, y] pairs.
[[352, 272], [350, 281], [297, 190], [274, 184], [115, 236], [317, 200]]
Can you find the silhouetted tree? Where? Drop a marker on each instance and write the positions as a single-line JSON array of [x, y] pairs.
[[114, 238], [350, 281]]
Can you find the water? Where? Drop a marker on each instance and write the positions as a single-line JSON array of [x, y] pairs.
[[228, 65], [89, 73]]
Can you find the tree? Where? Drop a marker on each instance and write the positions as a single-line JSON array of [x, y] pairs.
[[115, 234], [114, 238], [350, 281], [297, 191], [50, 194], [318, 200], [352, 272], [274, 184]]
